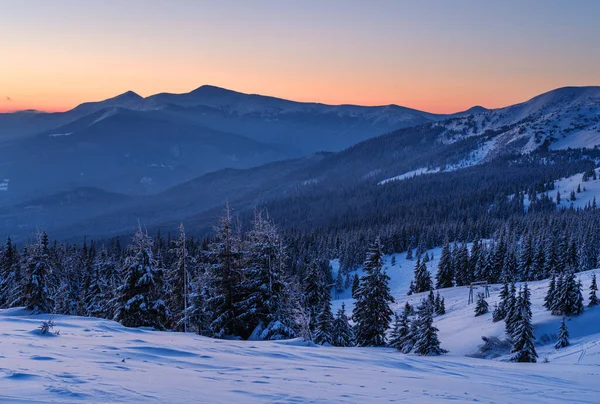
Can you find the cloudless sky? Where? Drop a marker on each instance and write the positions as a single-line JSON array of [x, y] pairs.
[[435, 55]]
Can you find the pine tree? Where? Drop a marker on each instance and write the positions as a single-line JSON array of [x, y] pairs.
[[501, 309], [445, 274], [512, 311], [324, 333], [140, 298], [395, 338], [264, 282], [563, 335], [426, 339], [223, 277], [97, 299], [314, 294], [343, 334], [372, 313], [593, 289], [550, 295], [178, 282], [422, 281], [439, 305], [523, 346], [355, 284], [11, 276], [38, 272], [482, 306]]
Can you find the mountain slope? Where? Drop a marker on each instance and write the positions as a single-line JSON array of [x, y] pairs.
[[562, 118]]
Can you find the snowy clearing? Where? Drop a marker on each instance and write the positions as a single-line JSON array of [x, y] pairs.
[[101, 361]]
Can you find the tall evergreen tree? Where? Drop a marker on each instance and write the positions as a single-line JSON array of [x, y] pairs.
[[224, 276], [422, 282], [263, 281], [343, 334], [563, 336], [38, 272], [445, 274], [140, 298], [426, 339], [372, 313], [178, 283], [523, 338], [11, 276], [593, 300]]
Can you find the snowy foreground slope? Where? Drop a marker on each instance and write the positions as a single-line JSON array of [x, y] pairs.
[[102, 362]]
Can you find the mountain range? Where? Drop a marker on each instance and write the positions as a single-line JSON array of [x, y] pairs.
[[99, 168]]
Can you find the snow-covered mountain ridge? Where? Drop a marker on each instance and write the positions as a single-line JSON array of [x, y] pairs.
[[565, 117]]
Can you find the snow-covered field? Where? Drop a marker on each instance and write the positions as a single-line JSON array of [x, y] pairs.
[[100, 361]]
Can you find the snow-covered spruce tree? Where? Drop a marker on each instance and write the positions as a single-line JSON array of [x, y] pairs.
[[431, 299], [426, 339], [501, 309], [563, 335], [523, 338], [97, 296], [355, 284], [550, 294], [512, 311], [11, 278], [462, 268], [140, 298], [422, 281], [569, 298], [593, 300], [372, 313], [178, 283], [314, 291], [37, 289], [343, 334], [439, 305], [482, 306], [440, 309], [394, 337], [445, 274], [223, 277], [324, 333], [198, 318]]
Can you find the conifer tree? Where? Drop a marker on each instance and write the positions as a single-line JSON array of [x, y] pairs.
[[355, 284], [11, 276], [550, 295], [523, 338], [422, 281], [593, 300], [372, 313], [395, 338], [263, 279], [224, 276], [512, 311], [343, 334], [482, 306], [324, 333], [38, 272], [178, 282], [426, 339], [140, 298], [445, 274], [409, 309], [314, 294], [563, 335]]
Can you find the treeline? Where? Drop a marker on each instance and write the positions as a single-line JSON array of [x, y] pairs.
[[507, 197]]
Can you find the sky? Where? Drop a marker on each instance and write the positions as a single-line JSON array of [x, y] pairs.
[[434, 55]]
